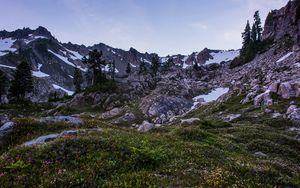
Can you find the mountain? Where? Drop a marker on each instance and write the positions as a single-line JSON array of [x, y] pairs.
[[53, 62], [211, 126]]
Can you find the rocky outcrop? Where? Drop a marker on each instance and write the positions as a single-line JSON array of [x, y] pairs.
[[293, 113], [146, 126], [63, 119], [50, 137], [283, 23], [6, 128], [190, 121]]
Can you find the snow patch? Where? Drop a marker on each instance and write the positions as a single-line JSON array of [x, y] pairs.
[[27, 41], [134, 66], [6, 66], [65, 59], [223, 56], [212, 96], [164, 59], [75, 54], [6, 46], [65, 90], [284, 57], [145, 60], [106, 69], [39, 73]]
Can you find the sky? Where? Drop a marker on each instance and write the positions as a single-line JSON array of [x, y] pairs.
[[160, 26]]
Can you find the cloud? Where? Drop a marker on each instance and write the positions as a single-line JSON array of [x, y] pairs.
[[198, 26]]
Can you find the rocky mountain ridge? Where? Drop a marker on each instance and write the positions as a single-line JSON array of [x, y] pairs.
[[53, 62]]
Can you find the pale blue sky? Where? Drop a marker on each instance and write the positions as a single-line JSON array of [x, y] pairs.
[[161, 26]]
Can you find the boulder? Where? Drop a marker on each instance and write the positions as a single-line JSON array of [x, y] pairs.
[[41, 139], [64, 119], [146, 126], [264, 98], [126, 118], [285, 90], [112, 113], [260, 154], [3, 118], [293, 113], [6, 128], [231, 117], [190, 121]]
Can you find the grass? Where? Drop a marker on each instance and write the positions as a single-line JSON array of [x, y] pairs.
[[209, 153]]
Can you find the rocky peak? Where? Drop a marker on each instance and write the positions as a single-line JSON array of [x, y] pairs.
[[283, 23]]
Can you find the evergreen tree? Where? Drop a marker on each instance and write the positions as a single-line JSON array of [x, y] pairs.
[[4, 83], [254, 33], [77, 80], [22, 82], [196, 66], [258, 27], [168, 64], [143, 68], [128, 69], [246, 35], [96, 63], [155, 64], [112, 69]]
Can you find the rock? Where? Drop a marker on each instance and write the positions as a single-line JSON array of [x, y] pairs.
[[260, 154], [51, 137], [6, 127], [126, 118], [112, 113], [65, 119], [3, 118], [163, 106], [231, 117], [146, 126], [69, 133], [41, 139], [3, 99], [190, 121], [293, 113], [264, 98], [285, 90], [274, 87], [276, 115]]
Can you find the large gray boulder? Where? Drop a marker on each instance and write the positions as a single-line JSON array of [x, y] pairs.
[[146, 126], [293, 113], [64, 119], [6, 128]]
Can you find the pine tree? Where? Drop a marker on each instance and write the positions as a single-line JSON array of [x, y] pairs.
[[77, 80], [258, 27], [96, 63], [112, 70], [254, 33], [155, 64], [128, 69], [22, 82], [196, 66], [246, 35], [4, 83], [143, 68]]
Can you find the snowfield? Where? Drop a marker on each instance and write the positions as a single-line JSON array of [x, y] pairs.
[[39, 73], [6, 66], [65, 59], [222, 56], [212, 96], [6, 46], [27, 41], [65, 90]]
